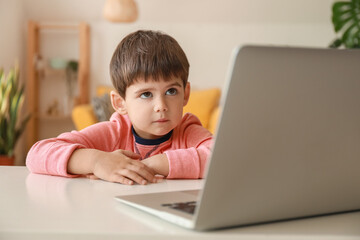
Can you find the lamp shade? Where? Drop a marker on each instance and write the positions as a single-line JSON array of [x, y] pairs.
[[120, 10]]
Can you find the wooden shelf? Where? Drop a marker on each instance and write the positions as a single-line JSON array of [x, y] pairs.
[[51, 72], [59, 117], [59, 26], [34, 75]]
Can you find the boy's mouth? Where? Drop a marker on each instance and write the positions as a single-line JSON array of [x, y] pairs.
[[162, 120]]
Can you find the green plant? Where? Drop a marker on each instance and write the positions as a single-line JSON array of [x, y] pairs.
[[346, 21], [11, 102]]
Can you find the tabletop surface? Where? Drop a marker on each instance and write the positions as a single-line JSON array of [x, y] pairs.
[[36, 206]]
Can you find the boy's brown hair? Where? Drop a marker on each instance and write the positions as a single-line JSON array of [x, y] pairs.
[[147, 54]]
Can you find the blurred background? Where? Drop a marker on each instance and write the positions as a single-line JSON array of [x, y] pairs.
[[207, 30]]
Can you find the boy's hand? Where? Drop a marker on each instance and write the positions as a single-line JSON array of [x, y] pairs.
[[159, 163], [118, 166], [123, 167]]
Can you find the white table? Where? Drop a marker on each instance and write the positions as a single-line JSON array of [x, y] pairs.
[[45, 207]]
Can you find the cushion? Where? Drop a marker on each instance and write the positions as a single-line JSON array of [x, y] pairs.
[[102, 89], [214, 119], [202, 103], [102, 107], [83, 116]]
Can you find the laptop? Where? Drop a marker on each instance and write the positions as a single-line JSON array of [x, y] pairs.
[[287, 144]]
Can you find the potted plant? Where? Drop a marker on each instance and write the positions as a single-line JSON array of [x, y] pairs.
[[346, 22], [11, 102]]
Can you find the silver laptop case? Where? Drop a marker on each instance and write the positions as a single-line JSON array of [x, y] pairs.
[[288, 143]]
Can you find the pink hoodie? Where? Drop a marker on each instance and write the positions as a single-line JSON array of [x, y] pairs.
[[187, 149]]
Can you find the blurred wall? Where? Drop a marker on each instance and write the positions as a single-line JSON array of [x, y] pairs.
[[208, 30], [12, 34]]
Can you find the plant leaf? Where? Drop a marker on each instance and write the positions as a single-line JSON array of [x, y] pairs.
[[336, 43], [11, 102], [346, 21]]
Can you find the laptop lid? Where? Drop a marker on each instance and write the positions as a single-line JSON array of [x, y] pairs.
[[288, 142]]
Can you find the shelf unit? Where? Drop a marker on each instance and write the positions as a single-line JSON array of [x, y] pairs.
[[34, 81]]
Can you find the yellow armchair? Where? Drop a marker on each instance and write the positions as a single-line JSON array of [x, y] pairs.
[[202, 103]]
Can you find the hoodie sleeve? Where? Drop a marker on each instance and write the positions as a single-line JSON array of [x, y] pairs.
[[190, 157], [51, 156]]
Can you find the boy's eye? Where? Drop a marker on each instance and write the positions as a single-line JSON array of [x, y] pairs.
[[146, 95], [171, 91]]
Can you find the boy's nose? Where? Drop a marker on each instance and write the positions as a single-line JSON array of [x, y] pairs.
[[160, 105]]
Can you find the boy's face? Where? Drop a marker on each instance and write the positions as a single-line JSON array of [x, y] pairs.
[[154, 107]]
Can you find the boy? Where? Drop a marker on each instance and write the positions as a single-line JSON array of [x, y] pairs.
[[147, 135]]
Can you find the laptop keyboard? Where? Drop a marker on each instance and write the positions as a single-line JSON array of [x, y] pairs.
[[188, 207]]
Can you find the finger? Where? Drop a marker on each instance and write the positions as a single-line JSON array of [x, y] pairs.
[[143, 170], [140, 164], [159, 178], [134, 176], [92, 176], [121, 179], [130, 154]]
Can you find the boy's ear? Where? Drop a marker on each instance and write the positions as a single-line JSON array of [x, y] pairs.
[[118, 103], [186, 93]]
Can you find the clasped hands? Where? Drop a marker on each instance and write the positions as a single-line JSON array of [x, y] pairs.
[[121, 166]]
